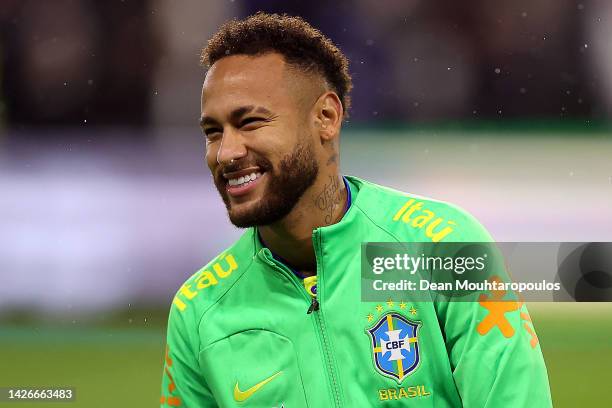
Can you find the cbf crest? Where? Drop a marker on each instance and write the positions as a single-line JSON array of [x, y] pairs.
[[395, 347]]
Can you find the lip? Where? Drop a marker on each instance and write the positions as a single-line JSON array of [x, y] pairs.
[[243, 172], [238, 191]]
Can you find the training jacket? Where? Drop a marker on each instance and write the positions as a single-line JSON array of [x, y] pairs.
[[240, 335]]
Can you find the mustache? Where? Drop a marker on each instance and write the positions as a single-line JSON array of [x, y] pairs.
[[261, 162]]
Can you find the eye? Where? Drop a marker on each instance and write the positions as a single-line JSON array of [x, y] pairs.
[[212, 133], [252, 122]]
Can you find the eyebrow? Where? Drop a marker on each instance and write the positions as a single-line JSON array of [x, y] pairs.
[[236, 114]]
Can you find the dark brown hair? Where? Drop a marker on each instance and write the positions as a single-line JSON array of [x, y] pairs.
[[301, 45]]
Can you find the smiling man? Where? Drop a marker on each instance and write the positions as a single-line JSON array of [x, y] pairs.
[[277, 318]]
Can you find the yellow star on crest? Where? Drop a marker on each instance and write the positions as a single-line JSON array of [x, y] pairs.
[[413, 311], [379, 308], [370, 317], [403, 305], [390, 302]]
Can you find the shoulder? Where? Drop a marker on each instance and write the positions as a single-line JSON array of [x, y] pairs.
[[205, 287], [413, 217]]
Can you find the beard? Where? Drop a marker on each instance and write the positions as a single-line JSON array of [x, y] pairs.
[[296, 172]]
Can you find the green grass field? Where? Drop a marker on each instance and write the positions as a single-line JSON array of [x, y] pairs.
[[107, 369], [576, 340], [120, 365]]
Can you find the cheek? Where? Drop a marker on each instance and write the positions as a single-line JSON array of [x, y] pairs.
[[286, 140], [211, 155]]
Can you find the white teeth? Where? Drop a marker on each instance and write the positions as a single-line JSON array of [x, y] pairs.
[[243, 179]]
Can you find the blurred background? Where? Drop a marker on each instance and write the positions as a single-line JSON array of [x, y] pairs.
[[107, 206]]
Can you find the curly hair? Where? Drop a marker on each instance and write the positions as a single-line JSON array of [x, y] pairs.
[[301, 45]]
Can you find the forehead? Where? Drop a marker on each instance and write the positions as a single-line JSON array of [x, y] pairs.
[[246, 80]]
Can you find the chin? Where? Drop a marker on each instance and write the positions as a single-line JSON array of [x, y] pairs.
[[244, 215], [259, 213]]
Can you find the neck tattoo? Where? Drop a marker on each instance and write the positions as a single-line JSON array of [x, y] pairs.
[[329, 199]]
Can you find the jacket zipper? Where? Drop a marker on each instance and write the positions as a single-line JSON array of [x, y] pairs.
[[314, 306], [318, 319], [316, 238]]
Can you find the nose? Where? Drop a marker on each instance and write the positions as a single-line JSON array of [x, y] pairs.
[[232, 147]]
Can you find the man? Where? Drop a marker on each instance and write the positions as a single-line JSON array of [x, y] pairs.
[[277, 318]]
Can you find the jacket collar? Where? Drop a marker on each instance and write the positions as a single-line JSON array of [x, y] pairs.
[[354, 185]]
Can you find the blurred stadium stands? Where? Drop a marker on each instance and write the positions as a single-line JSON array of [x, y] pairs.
[[134, 63]]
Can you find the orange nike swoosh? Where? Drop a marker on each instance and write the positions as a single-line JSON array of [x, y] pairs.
[[244, 395]]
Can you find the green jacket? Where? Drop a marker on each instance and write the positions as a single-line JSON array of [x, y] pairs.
[[239, 334]]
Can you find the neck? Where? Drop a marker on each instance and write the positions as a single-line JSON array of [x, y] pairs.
[[291, 238]]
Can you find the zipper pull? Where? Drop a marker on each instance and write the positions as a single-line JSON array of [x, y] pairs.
[[314, 306]]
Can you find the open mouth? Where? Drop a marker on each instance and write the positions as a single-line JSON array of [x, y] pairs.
[[241, 185]]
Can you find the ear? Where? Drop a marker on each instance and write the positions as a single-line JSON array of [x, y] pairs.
[[328, 116]]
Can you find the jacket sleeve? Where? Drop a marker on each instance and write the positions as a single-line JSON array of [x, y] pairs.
[[494, 352], [182, 382], [491, 368]]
